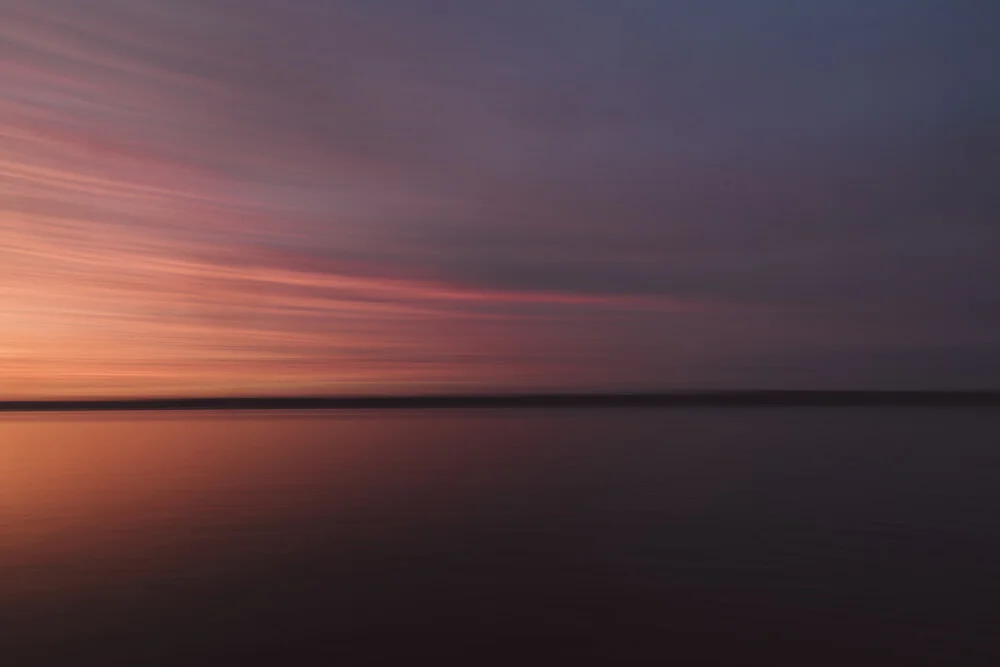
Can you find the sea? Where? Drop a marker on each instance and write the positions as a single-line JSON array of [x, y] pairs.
[[640, 536]]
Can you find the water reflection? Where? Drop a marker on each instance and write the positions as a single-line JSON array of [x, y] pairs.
[[498, 538], [149, 491]]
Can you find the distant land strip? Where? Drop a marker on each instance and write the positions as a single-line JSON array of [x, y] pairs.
[[563, 400]]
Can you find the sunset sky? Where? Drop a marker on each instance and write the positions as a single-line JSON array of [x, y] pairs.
[[393, 196]]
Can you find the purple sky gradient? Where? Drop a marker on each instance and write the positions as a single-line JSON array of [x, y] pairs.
[[205, 196]]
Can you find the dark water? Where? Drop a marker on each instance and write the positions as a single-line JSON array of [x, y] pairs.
[[705, 537]]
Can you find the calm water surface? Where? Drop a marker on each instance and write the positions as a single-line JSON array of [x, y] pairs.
[[703, 537]]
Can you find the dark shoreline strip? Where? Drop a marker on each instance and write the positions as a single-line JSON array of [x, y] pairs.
[[661, 400]]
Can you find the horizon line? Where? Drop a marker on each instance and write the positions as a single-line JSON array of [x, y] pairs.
[[674, 398]]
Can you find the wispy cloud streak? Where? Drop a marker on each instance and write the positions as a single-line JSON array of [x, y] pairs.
[[204, 196]]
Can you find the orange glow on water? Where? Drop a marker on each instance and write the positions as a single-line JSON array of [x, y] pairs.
[[79, 491]]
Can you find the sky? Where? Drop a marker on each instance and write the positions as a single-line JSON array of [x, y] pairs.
[[411, 196]]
